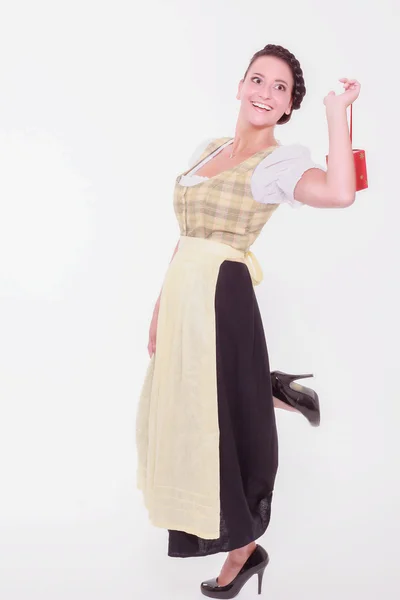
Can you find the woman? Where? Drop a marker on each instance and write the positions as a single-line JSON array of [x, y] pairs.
[[206, 432]]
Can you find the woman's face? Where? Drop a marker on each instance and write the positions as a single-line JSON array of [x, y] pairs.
[[269, 81]]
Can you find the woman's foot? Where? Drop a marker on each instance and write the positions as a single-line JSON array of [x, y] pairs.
[[234, 562], [298, 397], [279, 404]]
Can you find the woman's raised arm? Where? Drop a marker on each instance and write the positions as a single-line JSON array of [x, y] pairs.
[[335, 188]]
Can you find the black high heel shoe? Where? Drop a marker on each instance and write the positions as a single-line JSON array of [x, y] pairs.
[[302, 398], [256, 563]]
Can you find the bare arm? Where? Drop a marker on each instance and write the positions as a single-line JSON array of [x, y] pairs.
[[341, 174], [335, 188]]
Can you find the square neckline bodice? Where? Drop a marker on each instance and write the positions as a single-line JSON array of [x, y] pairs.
[[204, 179]]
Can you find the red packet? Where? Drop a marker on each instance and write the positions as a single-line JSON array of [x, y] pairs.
[[359, 160]]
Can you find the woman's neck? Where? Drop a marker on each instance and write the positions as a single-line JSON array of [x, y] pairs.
[[250, 141]]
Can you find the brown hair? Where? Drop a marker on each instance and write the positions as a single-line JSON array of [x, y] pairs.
[[299, 88]]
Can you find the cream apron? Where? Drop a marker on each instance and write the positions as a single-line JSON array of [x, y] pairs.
[[177, 432]]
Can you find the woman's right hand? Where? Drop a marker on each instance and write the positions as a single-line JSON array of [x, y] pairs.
[[151, 346]]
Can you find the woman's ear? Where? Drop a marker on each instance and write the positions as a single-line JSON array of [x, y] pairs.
[[289, 109], [239, 89]]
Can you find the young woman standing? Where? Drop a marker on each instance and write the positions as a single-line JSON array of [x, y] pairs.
[[206, 432]]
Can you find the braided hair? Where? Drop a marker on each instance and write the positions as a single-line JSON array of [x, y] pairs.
[[299, 88]]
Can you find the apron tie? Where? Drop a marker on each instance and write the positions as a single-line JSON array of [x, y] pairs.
[[254, 267]]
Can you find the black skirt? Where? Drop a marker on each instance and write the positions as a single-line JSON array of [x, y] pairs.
[[248, 445]]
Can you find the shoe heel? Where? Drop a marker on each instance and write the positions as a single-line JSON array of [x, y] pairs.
[[260, 578], [289, 378]]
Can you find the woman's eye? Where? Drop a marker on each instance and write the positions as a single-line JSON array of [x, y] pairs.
[[283, 88]]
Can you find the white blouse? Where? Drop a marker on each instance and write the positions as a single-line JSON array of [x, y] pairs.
[[275, 177]]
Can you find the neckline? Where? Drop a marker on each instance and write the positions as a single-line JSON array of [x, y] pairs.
[[225, 170]]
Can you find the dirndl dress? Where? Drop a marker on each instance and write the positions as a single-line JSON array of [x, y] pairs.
[[205, 430]]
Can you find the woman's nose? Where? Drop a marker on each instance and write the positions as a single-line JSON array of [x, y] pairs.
[[266, 91]]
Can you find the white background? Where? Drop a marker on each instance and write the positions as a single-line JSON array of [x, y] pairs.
[[101, 106]]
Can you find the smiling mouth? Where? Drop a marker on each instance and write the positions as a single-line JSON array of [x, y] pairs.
[[260, 107]]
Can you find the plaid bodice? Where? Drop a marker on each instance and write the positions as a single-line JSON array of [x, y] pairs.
[[222, 207]]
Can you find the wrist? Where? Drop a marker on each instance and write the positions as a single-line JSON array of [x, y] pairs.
[[333, 111]]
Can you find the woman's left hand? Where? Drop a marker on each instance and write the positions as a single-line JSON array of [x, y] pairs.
[[351, 93]]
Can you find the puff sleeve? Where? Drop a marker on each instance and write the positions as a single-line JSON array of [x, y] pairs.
[[276, 176]]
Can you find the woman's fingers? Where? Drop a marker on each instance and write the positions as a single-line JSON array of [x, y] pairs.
[[348, 81], [151, 347]]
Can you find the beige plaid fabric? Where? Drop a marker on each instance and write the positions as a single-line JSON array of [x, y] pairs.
[[222, 208]]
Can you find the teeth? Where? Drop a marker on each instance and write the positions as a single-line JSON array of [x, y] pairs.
[[262, 106]]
